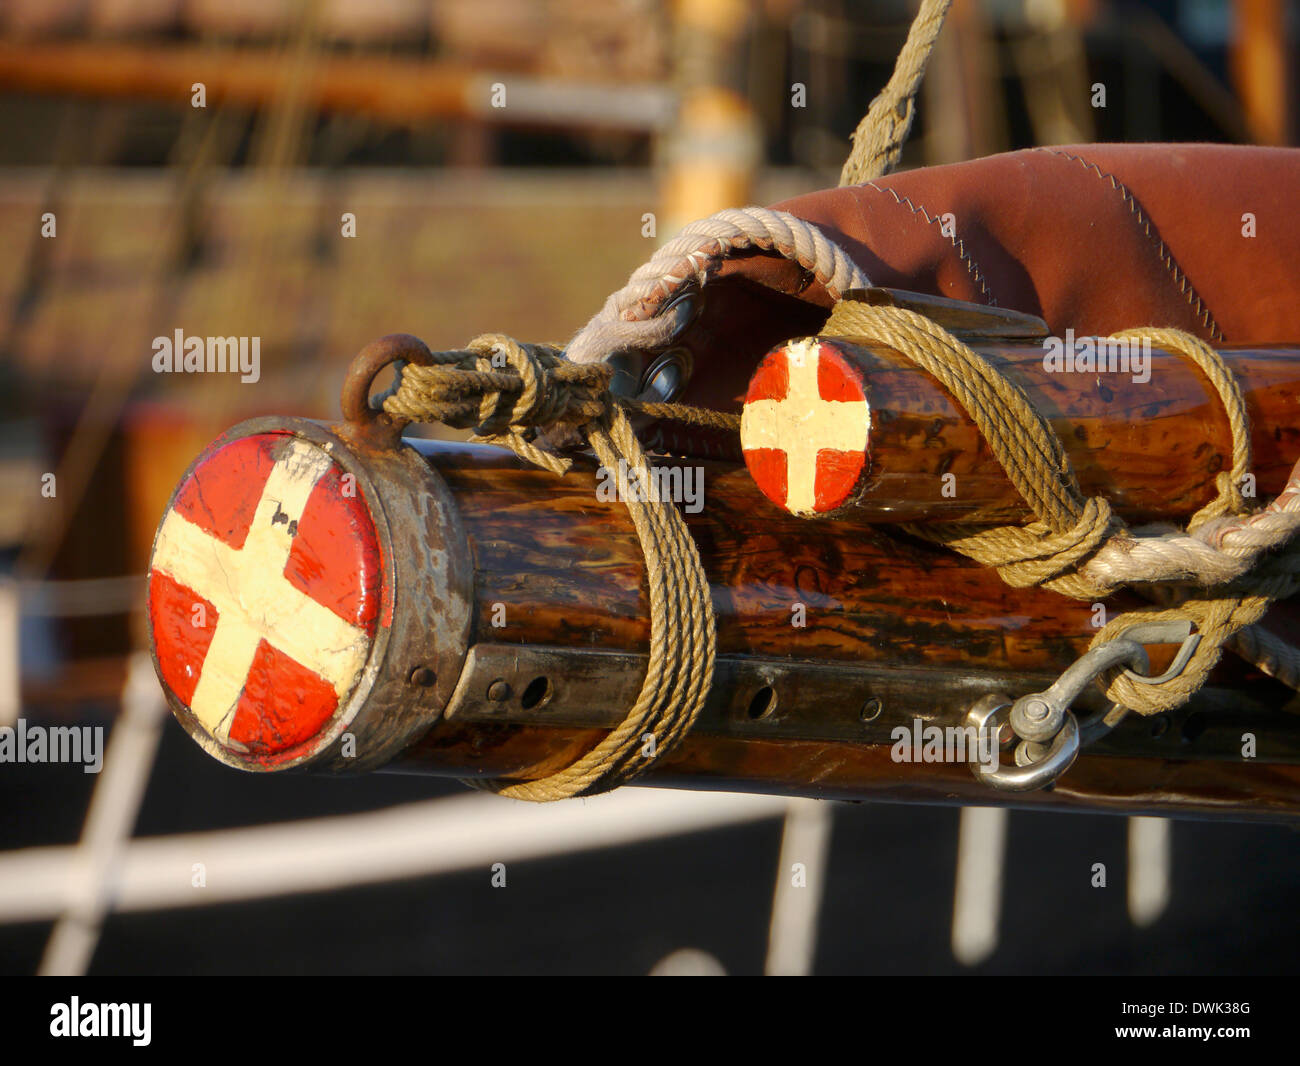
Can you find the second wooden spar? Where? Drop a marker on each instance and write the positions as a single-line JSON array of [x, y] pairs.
[[831, 426]]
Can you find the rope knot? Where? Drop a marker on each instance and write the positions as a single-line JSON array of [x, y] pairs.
[[527, 387]]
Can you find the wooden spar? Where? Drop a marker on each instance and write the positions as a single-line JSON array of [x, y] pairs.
[[566, 569], [554, 569], [500, 618], [1238, 791], [1150, 439]]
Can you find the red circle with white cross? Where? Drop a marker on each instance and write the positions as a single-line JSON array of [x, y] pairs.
[[264, 589], [804, 428]]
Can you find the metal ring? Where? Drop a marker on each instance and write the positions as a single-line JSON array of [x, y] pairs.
[[1061, 753], [394, 348]]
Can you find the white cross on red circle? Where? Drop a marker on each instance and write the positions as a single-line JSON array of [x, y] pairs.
[[804, 428], [263, 592]]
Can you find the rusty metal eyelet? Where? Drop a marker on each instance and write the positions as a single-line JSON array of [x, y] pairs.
[[399, 348]]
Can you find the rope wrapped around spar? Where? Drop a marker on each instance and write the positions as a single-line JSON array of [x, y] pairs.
[[508, 393], [1222, 573]]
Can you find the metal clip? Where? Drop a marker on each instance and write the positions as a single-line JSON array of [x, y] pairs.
[[1049, 734], [1040, 715], [1055, 758]]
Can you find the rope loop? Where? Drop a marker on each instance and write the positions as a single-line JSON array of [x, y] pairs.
[[1078, 547], [1229, 500], [507, 392]]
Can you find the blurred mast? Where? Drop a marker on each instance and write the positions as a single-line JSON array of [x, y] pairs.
[[1261, 60], [712, 151]]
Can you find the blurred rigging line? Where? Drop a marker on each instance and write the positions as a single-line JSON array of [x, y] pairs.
[[424, 839], [1186, 68], [796, 903], [99, 124], [277, 144], [977, 894], [113, 383], [34, 275], [115, 802], [114, 807]]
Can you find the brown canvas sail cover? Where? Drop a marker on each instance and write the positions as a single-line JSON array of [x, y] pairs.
[[1094, 238]]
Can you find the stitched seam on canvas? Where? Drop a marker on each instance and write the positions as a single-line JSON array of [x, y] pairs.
[[959, 246], [1199, 308]]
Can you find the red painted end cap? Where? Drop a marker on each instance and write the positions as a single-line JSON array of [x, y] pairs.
[[804, 428], [264, 591]]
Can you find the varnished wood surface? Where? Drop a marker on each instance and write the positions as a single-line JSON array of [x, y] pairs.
[[1153, 448], [568, 571], [1245, 791]]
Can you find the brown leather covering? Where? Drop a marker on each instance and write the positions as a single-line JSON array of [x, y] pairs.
[[1096, 238]]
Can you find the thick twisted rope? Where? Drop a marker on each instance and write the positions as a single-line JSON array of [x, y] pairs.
[[1229, 499], [629, 321], [878, 140], [533, 388], [1078, 547], [1069, 528], [1154, 554], [1221, 617], [465, 389]]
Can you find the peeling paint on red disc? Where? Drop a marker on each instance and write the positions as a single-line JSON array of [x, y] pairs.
[[264, 592]]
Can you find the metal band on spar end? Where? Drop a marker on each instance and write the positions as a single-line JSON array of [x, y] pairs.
[[805, 428], [292, 594]]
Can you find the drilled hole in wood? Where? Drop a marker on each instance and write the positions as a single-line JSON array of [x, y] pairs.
[[763, 703], [537, 694]]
